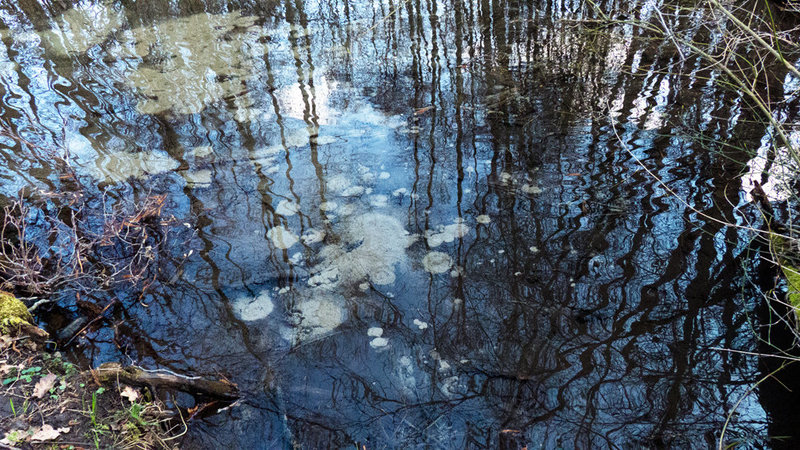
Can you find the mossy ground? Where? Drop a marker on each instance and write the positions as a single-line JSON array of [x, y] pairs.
[[71, 411], [13, 313]]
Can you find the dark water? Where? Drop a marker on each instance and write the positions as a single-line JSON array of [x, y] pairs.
[[417, 223]]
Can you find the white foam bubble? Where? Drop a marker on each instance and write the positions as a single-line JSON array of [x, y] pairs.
[[379, 342], [437, 262], [286, 208], [312, 236], [531, 189], [449, 233], [253, 308], [281, 237], [371, 246]]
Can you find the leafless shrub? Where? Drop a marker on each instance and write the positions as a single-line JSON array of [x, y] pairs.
[[54, 242]]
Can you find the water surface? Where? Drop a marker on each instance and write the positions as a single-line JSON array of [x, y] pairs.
[[416, 223]]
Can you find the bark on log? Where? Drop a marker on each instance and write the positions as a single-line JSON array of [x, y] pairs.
[[216, 389]]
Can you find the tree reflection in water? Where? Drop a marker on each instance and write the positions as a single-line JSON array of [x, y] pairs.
[[569, 299]]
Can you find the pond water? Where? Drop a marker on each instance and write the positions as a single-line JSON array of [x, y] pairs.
[[415, 223]]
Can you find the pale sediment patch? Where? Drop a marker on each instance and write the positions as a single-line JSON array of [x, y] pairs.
[[173, 81], [197, 178], [202, 151], [119, 166]]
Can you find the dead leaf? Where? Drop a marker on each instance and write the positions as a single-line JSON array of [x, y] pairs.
[[13, 437], [574, 174], [48, 433], [129, 393], [44, 385], [423, 110], [6, 368]]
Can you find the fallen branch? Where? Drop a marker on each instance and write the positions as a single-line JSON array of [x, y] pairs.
[[155, 380]]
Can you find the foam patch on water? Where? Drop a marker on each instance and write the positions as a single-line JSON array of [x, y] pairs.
[[379, 200], [483, 219], [319, 315], [379, 342], [253, 308], [448, 233], [281, 237], [328, 206], [531, 189], [371, 246], [312, 236], [286, 208], [338, 183], [437, 262], [353, 191]]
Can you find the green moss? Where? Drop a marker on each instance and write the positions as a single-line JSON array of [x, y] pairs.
[[780, 250], [13, 313], [793, 279]]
